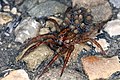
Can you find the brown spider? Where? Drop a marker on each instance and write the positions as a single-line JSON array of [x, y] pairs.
[[76, 28]]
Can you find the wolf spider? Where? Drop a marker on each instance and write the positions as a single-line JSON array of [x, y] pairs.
[[76, 28]]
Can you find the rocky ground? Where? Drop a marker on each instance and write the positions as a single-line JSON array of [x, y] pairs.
[[17, 24]]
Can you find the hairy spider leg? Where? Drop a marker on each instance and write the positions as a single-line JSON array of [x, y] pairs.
[[68, 9], [93, 41], [30, 49], [98, 45], [33, 47], [63, 32], [62, 51], [57, 26], [37, 39], [67, 58]]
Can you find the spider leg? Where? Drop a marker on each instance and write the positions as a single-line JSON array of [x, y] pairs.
[[68, 9], [55, 23], [56, 56], [37, 39], [67, 58], [93, 41], [33, 47], [63, 50], [98, 45], [53, 59], [30, 50], [63, 32]]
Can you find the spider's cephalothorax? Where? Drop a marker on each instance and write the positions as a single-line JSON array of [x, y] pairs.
[[76, 28]]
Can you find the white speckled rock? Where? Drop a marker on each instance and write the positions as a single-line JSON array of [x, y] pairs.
[[113, 27], [17, 75], [28, 28]]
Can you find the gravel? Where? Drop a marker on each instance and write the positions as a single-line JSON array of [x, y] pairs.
[[102, 10]]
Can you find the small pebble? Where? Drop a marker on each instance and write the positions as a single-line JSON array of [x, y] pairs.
[[17, 75], [5, 18], [44, 31], [14, 10], [113, 27], [1, 43], [6, 8], [9, 45]]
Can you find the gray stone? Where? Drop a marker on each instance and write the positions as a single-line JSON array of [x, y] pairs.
[[116, 3], [54, 74], [46, 9], [28, 28], [29, 4], [38, 9], [14, 10], [101, 12], [18, 2]]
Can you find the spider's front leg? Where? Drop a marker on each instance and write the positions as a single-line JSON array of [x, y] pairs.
[[33, 47], [37, 40]]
